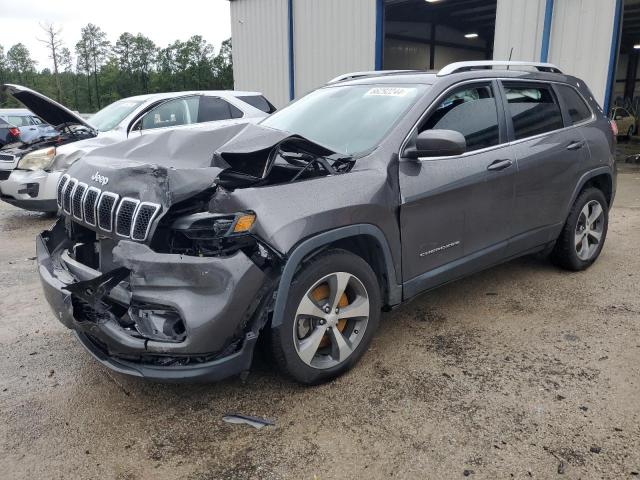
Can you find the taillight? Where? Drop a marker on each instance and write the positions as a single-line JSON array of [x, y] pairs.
[[14, 132], [614, 127]]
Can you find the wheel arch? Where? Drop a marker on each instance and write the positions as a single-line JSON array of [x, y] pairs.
[[364, 240], [600, 178]]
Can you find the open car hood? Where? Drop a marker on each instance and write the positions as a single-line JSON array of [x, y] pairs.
[[49, 110]]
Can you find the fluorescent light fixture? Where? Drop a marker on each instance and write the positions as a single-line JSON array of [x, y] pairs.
[[432, 1], [471, 35], [637, 46]]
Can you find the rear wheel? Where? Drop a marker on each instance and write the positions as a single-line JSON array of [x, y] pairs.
[[332, 312], [584, 233]]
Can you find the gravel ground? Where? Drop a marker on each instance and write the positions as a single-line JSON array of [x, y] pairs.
[[517, 372]]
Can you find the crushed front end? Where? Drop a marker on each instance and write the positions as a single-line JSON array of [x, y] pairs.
[[164, 268], [152, 284]]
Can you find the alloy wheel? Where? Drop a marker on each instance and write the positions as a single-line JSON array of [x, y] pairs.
[[331, 320], [589, 230]]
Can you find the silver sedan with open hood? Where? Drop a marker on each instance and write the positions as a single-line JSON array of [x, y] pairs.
[[29, 171]]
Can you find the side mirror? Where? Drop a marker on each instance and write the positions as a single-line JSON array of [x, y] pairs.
[[437, 143]]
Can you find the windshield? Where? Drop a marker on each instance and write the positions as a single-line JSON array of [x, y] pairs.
[[347, 119], [109, 117]]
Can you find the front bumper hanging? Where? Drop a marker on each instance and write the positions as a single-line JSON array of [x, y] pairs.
[[209, 294]]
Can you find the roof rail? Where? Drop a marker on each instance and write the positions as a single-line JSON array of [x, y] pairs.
[[371, 73], [466, 66]]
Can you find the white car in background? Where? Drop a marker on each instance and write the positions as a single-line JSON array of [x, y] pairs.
[[29, 172]]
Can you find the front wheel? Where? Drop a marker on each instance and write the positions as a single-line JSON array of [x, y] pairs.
[[583, 236], [332, 312]]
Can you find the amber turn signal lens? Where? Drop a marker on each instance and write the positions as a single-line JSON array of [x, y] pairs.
[[244, 223]]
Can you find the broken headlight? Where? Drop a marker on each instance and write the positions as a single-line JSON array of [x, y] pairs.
[[212, 234]]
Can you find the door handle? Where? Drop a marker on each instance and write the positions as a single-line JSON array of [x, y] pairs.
[[499, 165], [577, 145]]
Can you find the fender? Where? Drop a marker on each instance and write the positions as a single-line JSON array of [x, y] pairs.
[[585, 178], [309, 245]]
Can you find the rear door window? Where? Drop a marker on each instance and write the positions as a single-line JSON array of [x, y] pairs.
[[472, 111], [578, 110], [533, 109], [215, 108]]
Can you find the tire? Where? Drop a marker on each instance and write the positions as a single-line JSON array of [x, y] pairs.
[[571, 254], [299, 345]]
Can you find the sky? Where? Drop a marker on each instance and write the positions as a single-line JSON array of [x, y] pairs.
[[161, 20]]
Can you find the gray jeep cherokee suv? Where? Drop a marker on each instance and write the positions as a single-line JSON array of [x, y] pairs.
[[174, 253]]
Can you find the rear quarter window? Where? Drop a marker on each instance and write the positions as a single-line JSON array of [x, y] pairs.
[[578, 110], [533, 109], [19, 120], [259, 102]]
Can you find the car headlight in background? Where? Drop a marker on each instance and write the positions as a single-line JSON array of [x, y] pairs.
[[38, 159]]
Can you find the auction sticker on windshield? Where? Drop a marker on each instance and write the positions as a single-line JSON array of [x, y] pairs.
[[389, 91]]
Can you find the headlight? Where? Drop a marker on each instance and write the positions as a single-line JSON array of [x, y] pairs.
[[204, 226], [37, 160], [212, 234]]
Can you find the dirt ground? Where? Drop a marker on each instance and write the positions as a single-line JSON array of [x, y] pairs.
[[517, 372]]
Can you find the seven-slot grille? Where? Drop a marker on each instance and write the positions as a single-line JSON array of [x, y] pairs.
[[127, 217]]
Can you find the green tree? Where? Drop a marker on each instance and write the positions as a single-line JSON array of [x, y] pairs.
[[223, 67], [144, 57], [98, 74], [98, 47], [200, 61], [123, 50], [69, 77], [20, 63], [83, 64], [4, 74]]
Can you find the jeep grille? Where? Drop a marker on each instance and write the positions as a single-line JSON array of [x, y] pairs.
[[127, 217]]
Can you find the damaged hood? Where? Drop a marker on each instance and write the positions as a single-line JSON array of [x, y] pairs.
[[257, 138], [164, 169], [247, 157], [49, 110]]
